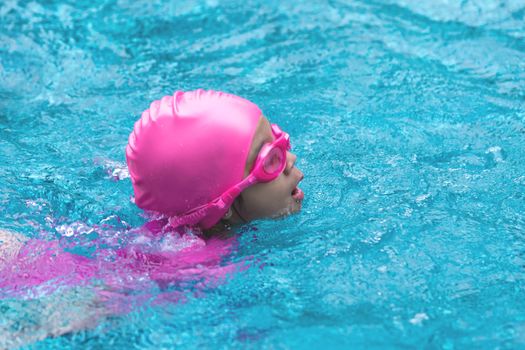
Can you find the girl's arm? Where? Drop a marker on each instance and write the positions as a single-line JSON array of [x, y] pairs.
[[10, 244]]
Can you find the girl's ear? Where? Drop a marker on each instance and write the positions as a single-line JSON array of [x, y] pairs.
[[228, 214]]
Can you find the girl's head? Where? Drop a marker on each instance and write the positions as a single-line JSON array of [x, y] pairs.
[[203, 156]]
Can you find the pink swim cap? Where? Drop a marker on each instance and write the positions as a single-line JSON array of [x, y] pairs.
[[189, 148]]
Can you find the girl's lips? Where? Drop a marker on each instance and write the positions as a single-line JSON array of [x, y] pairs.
[[298, 194]]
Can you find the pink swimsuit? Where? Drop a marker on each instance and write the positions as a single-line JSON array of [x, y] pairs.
[[150, 259]]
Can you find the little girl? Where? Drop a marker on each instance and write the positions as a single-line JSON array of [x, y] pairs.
[[211, 159], [202, 162]]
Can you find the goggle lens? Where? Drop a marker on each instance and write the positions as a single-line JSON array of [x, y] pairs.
[[273, 161]]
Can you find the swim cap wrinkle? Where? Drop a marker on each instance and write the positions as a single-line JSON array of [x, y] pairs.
[[187, 149]]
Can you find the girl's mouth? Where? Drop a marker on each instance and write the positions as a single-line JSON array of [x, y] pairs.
[[297, 194]]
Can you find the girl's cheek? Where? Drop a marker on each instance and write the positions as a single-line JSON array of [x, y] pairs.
[[268, 199]]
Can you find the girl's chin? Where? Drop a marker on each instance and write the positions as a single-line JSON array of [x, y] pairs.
[[297, 204], [298, 207], [294, 208]]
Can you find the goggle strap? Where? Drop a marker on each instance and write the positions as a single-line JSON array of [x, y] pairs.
[[191, 218], [195, 215], [234, 191]]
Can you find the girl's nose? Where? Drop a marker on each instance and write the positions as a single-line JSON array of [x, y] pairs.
[[290, 162]]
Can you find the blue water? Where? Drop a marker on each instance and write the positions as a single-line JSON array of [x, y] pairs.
[[408, 119]]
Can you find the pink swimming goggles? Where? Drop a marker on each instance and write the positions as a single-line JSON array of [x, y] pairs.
[[270, 163]]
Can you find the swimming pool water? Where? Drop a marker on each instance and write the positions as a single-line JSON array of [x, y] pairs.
[[408, 119]]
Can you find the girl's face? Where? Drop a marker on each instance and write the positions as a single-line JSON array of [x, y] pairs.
[[272, 199]]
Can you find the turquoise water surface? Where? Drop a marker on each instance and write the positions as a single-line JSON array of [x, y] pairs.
[[408, 119]]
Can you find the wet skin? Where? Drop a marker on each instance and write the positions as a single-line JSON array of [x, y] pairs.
[[272, 199]]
